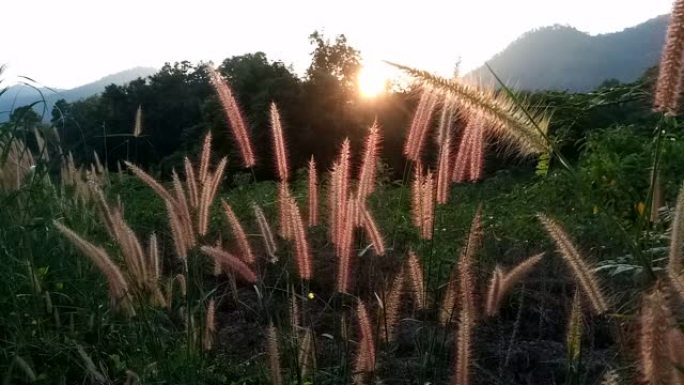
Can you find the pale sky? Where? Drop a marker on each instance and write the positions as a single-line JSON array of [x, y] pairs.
[[67, 43]]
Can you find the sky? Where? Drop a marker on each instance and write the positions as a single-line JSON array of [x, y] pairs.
[[68, 43]]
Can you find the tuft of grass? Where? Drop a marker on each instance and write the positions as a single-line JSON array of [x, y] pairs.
[[586, 279]]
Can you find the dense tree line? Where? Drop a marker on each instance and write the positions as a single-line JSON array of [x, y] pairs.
[[318, 110], [179, 107]]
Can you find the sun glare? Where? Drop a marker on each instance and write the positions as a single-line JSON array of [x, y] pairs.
[[372, 80]]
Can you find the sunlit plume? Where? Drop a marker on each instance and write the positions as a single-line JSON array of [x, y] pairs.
[[313, 193], [345, 248], [284, 210], [234, 116], [239, 234], [444, 142], [230, 263], [470, 157], [279, 145], [392, 305], [420, 125], [365, 355], [303, 253], [266, 233]]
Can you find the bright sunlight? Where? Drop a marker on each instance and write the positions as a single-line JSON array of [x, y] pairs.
[[373, 79]]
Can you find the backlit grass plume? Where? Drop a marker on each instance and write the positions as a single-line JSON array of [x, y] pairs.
[[466, 324], [178, 234], [266, 233], [313, 193], [365, 353], [392, 305], [420, 125], [183, 208], [341, 191], [444, 160], [368, 166], [131, 250], [273, 355], [153, 256], [584, 276], [234, 115], [199, 197], [675, 338], [118, 287], [302, 251], [209, 189], [669, 83], [284, 214], [279, 145], [204, 159], [450, 300], [573, 335], [501, 282], [372, 232], [239, 233], [307, 353], [469, 161], [428, 209], [16, 164], [230, 263], [344, 250], [656, 320], [415, 276], [493, 292], [150, 181], [142, 265], [466, 275], [79, 179], [461, 279], [293, 307], [674, 264], [333, 192], [416, 196], [507, 121], [423, 201], [42, 151], [191, 183], [209, 326]]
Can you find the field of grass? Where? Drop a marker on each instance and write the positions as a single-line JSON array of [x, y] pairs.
[[458, 273]]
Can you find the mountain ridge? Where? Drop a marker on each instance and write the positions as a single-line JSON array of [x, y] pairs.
[[21, 94], [564, 58]]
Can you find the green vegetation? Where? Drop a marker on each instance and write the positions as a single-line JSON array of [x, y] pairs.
[[200, 319]]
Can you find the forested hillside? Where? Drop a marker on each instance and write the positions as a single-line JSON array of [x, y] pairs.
[[44, 98], [563, 58]]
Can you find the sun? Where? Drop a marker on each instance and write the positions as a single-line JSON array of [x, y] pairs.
[[372, 80]]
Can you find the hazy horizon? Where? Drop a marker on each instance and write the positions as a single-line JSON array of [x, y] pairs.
[[75, 42]]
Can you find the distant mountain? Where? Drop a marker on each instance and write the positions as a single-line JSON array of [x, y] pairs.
[[21, 95], [563, 58]]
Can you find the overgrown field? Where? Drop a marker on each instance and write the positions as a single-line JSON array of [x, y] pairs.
[[562, 267]]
